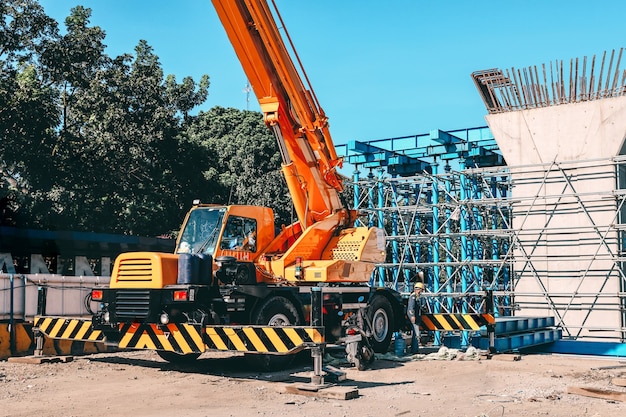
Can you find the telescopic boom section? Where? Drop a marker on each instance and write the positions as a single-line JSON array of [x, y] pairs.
[[289, 106]]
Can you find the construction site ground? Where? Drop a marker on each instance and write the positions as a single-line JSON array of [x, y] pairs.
[[443, 383]]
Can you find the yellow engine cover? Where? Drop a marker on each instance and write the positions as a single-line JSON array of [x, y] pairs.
[[144, 270]]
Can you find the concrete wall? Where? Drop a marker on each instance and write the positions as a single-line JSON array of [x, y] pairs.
[[18, 305], [565, 211]]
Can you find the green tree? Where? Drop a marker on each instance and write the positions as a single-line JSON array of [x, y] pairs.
[[27, 104], [246, 164], [95, 143], [119, 149], [107, 155]]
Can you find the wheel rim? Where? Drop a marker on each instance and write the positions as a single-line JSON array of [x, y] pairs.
[[381, 325], [279, 320]]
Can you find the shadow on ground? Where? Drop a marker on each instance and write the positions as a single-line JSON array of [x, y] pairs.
[[238, 366]]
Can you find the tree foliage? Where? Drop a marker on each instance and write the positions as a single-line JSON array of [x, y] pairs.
[[246, 161], [28, 115], [108, 144]]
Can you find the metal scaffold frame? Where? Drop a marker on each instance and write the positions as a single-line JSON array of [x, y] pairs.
[[539, 236]]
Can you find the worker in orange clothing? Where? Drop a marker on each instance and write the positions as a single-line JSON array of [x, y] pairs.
[[414, 311]]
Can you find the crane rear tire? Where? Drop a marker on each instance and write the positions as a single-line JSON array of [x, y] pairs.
[[382, 319], [275, 311]]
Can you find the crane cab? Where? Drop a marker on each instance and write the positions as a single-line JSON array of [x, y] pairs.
[[208, 233], [238, 231]]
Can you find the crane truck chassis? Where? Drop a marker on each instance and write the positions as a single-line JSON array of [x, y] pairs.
[[185, 303]]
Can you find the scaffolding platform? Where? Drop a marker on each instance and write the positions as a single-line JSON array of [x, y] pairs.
[[515, 333], [581, 347], [511, 325]]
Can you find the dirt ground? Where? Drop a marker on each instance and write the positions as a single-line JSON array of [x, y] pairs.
[[141, 384]]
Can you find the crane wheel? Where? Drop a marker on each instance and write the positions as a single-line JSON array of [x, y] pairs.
[[381, 317], [275, 311]]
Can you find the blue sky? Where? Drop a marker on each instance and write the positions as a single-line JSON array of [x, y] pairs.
[[380, 69]]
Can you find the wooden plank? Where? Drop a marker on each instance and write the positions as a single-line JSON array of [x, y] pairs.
[[620, 382], [38, 360], [598, 393], [334, 392]]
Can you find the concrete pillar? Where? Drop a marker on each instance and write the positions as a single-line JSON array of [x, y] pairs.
[[565, 210]]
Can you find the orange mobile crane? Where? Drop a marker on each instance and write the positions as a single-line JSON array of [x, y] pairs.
[[233, 282]]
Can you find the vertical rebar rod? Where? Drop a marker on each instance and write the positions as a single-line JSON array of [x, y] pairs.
[[608, 75], [599, 89], [590, 94], [616, 76]]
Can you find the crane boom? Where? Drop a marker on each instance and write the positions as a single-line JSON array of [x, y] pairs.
[[289, 106]]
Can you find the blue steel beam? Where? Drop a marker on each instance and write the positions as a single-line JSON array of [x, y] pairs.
[[408, 155], [444, 138], [372, 156]]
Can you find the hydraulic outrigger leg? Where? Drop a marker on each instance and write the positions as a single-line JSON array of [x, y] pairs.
[[317, 351]]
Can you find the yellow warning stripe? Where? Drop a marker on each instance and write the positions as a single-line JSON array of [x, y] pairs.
[[448, 322], [254, 339], [164, 340], [57, 326], [68, 329], [294, 337], [180, 339], [457, 322], [126, 338], [187, 338], [230, 333], [174, 337], [195, 335], [276, 341], [84, 328], [145, 342], [315, 335], [216, 339], [261, 339]]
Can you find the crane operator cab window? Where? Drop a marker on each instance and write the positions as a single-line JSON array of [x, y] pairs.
[[201, 230], [239, 234]]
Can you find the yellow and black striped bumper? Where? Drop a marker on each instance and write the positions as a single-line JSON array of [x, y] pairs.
[[66, 328], [262, 339], [456, 321], [174, 337], [187, 338]]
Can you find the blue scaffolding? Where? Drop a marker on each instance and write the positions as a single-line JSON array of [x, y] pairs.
[[445, 212]]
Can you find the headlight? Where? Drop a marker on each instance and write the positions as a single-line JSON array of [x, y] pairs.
[[107, 317], [164, 318]]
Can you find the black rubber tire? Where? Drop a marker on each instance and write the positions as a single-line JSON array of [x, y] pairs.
[[178, 358], [275, 311], [382, 319]]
